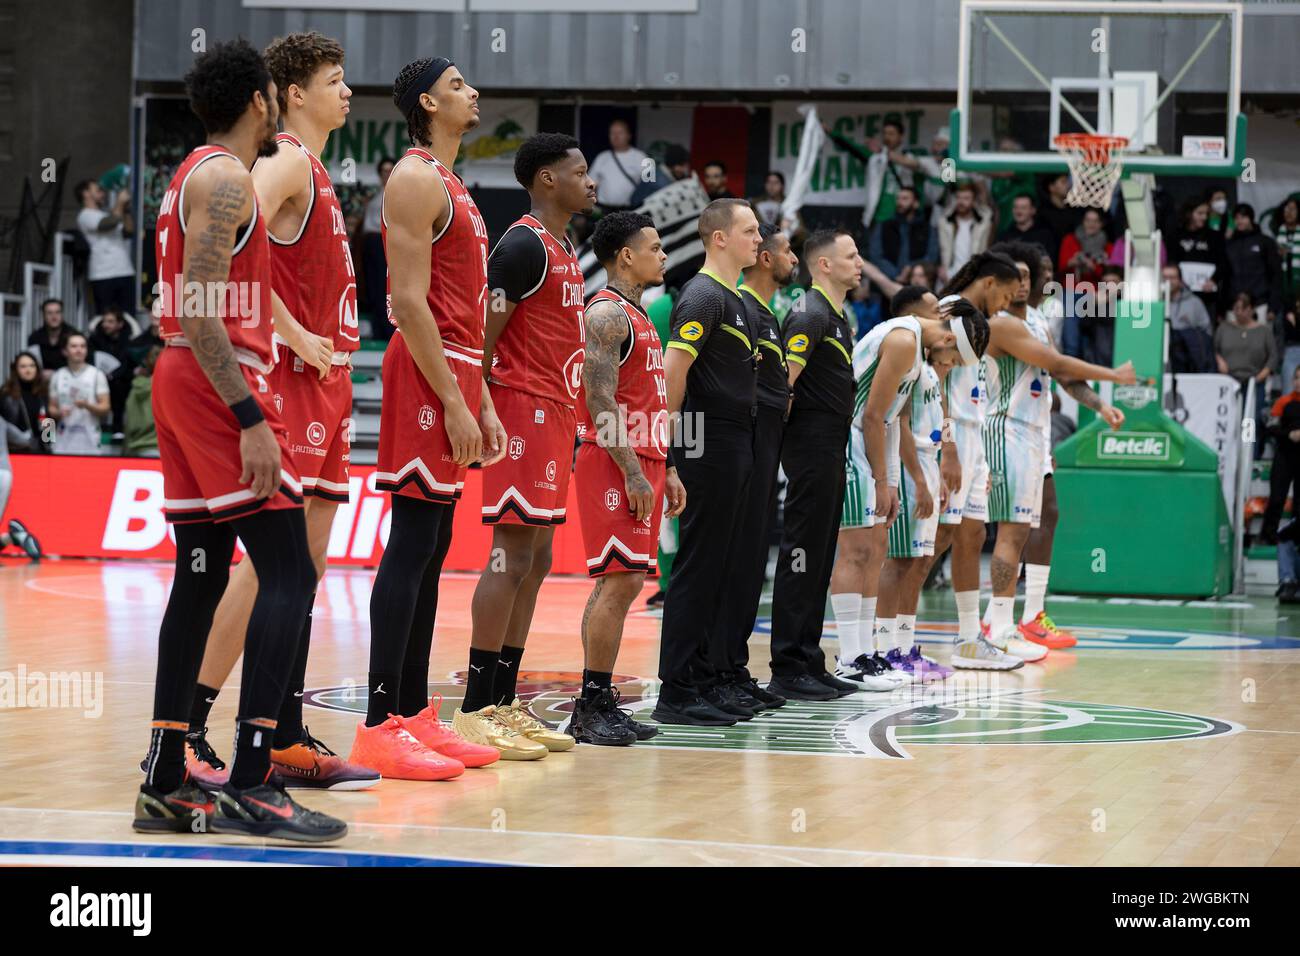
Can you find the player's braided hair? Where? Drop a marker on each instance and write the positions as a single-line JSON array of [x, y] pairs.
[[417, 120], [976, 325], [980, 266]]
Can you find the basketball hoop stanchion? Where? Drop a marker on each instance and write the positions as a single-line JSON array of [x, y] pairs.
[[1096, 164]]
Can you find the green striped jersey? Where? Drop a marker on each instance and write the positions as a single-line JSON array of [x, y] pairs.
[[927, 412], [866, 357], [1017, 390]]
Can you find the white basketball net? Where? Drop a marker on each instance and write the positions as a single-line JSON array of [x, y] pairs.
[[1096, 163]]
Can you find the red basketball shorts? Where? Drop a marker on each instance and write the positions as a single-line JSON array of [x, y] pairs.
[[530, 485], [614, 540], [318, 416]]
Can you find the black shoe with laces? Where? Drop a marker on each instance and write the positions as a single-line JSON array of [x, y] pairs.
[[597, 721], [723, 698], [24, 539], [692, 712], [642, 731], [268, 811], [801, 687], [187, 809], [740, 693], [766, 698]]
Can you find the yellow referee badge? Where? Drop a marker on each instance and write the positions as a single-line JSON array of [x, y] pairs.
[[691, 331], [799, 343]]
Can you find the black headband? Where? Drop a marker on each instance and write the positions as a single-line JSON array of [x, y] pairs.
[[423, 83]]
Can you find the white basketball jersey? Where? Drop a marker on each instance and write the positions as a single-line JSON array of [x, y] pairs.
[[866, 357], [927, 412], [1016, 390]]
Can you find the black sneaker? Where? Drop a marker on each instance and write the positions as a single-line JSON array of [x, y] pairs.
[[22, 538], [801, 687], [722, 698], [740, 692], [842, 688], [769, 700], [695, 712], [597, 721], [187, 809], [642, 731], [657, 599], [268, 811]]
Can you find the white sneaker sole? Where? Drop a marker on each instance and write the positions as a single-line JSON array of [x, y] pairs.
[[983, 664], [1025, 654]]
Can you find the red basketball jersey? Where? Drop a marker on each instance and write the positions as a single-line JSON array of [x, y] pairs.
[[245, 304], [540, 350], [457, 266], [641, 391], [312, 272]]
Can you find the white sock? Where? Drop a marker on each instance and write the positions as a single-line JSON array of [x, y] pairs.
[[848, 612], [905, 632], [885, 634], [1000, 616], [968, 615], [867, 626], [1035, 590]]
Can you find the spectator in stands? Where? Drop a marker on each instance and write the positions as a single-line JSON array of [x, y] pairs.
[[1244, 348], [715, 180], [1199, 253], [908, 238], [966, 230], [1286, 233], [1062, 425], [111, 271], [1006, 187], [936, 188], [1284, 479], [617, 170], [677, 160], [372, 256], [888, 168], [1026, 227], [78, 400], [147, 339], [111, 336], [51, 337], [1289, 345], [1049, 298], [768, 206], [23, 405], [1253, 264], [1217, 219], [1191, 346], [1082, 257], [1099, 326], [1059, 215], [1119, 248], [141, 436], [925, 274]]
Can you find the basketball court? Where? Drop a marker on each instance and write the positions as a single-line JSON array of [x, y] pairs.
[[1169, 736]]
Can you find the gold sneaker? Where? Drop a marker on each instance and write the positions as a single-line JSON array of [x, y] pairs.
[[524, 722], [482, 727]]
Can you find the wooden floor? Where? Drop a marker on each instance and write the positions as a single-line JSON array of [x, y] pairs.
[[1170, 736]]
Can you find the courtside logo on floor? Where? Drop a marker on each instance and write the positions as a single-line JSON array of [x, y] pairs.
[[970, 709]]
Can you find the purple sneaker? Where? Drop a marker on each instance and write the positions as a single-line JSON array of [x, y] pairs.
[[901, 665], [925, 668]]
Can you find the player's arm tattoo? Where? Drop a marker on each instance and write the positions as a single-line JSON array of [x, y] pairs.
[[208, 271], [1083, 393], [591, 603], [607, 329]]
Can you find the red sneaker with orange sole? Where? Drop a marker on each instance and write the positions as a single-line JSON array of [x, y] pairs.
[[393, 751], [1042, 630], [437, 736]]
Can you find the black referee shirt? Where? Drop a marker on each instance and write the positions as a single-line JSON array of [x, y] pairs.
[[818, 338], [709, 321], [773, 374]]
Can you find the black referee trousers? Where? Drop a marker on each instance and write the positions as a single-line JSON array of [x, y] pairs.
[[812, 454], [693, 650], [747, 564]]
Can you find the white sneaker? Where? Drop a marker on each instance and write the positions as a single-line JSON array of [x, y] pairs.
[[868, 680], [980, 655], [1010, 642]]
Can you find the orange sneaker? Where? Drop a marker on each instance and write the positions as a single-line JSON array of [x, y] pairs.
[[1041, 630], [390, 749], [310, 765], [438, 737], [206, 769]]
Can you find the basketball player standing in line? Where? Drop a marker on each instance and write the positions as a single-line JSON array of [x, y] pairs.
[[227, 470], [437, 418], [621, 469], [534, 346], [314, 295]]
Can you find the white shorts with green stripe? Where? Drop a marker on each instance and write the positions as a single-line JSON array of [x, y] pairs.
[[859, 486], [910, 536], [1015, 455], [971, 499]]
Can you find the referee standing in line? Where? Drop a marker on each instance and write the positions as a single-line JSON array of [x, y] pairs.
[[747, 566], [819, 349], [711, 372]]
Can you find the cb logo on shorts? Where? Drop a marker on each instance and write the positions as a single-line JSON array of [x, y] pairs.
[[427, 417], [611, 499], [550, 471], [516, 448], [316, 434]]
